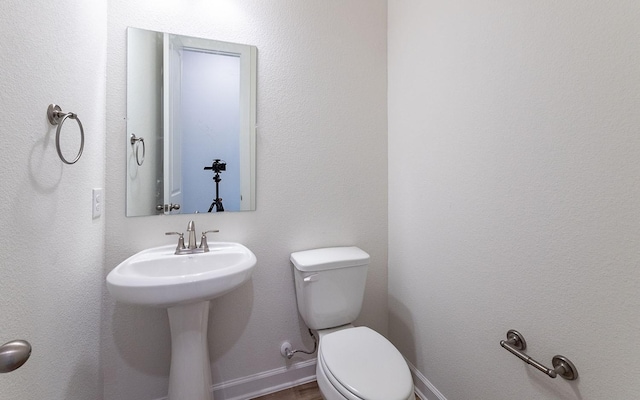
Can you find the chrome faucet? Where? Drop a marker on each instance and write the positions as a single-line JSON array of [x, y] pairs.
[[191, 229], [191, 248]]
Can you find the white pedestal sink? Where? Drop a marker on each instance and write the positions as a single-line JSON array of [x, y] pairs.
[[183, 284]]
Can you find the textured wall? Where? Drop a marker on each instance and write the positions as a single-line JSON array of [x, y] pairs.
[[52, 254], [321, 177], [513, 191]]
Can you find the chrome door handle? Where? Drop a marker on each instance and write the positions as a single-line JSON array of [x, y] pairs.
[[13, 355], [167, 207]]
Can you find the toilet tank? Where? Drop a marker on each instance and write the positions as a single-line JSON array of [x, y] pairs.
[[330, 285]]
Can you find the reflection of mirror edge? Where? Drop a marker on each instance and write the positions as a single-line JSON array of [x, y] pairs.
[[253, 112], [248, 125], [134, 185]]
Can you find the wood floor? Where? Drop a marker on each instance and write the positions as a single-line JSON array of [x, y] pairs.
[[308, 391]]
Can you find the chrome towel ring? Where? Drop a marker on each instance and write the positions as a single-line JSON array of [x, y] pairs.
[[135, 142], [57, 117]]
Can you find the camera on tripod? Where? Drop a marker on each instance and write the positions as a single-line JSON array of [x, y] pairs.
[[217, 166]]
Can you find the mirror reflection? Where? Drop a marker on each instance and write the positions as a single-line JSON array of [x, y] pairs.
[[190, 124]]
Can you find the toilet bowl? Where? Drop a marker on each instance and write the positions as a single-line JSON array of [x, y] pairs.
[[358, 363], [354, 363]]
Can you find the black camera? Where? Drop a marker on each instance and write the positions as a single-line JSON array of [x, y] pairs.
[[217, 166]]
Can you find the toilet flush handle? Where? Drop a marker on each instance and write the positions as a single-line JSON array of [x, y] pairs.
[[311, 278]]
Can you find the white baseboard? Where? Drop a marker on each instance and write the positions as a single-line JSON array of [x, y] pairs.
[[424, 389], [283, 378], [272, 381], [264, 383]]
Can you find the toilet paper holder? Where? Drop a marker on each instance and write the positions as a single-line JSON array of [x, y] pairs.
[[516, 344]]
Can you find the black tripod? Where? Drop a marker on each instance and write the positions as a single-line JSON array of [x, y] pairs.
[[216, 167]]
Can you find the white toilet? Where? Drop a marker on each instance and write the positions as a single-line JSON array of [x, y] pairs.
[[354, 363]]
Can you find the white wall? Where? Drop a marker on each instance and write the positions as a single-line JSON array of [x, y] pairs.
[[52, 254], [513, 193], [321, 177]]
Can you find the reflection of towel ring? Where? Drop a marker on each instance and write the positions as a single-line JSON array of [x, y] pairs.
[[57, 117], [136, 141]]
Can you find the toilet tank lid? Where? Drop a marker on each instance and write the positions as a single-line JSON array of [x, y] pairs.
[[329, 258]]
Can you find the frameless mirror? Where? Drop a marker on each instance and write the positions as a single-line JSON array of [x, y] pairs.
[[191, 109]]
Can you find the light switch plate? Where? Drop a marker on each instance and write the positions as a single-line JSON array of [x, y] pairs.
[[97, 202]]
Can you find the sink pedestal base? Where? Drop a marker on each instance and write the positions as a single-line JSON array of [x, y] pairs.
[[190, 373]]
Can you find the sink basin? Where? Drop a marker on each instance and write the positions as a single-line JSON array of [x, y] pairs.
[[184, 284], [158, 277]]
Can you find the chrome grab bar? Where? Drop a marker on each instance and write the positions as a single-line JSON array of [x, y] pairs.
[[516, 344]]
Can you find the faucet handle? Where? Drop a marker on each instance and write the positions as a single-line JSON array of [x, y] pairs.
[[180, 240], [203, 240]]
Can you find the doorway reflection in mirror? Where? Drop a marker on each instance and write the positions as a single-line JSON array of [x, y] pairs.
[[195, 98]]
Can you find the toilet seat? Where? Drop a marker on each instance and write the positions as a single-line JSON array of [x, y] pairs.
[[362, 364], [329, 386]]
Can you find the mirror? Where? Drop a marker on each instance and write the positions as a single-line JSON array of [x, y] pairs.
[[191, 112]]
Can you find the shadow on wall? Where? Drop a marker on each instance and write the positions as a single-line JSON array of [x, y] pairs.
[[402, 334], [402, 330], [84, 382], [306, 345], [558, 387], [228, 319], [142, 337], [43, 174]]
